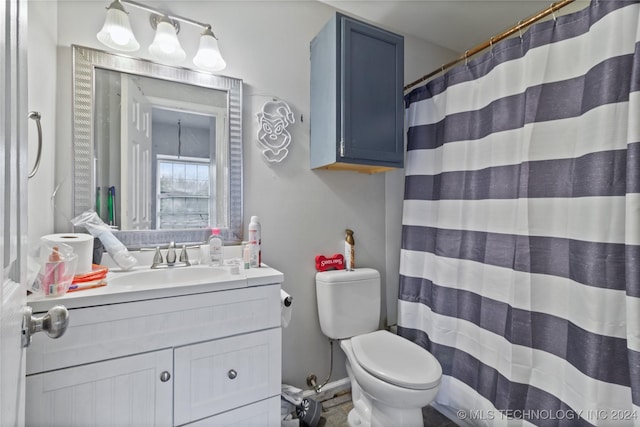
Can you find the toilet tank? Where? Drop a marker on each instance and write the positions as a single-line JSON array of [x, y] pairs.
[[348, 302]]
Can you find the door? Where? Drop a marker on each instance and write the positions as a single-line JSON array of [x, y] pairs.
[[135, 160], [13, 208]]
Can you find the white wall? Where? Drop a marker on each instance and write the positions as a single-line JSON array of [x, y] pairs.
[[42, 98], [303, 212]]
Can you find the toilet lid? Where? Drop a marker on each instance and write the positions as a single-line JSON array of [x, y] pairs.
[[396, 360]]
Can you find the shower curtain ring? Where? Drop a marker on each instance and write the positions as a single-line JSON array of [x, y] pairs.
[[491, 45], [520, 30], [466, 57], [553, 12]]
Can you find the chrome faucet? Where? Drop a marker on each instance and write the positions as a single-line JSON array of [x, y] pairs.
[[171, 254], [158, 261]]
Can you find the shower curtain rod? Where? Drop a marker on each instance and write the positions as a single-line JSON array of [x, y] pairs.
[[495, 39]]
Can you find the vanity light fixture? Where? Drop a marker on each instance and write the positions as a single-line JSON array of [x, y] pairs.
[[118, 35], [208, 56], [166, 46], [116, 32]]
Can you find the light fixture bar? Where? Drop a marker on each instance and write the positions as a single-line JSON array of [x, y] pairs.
[[168, 15], [117, 34]]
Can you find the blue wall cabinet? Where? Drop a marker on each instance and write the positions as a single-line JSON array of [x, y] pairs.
[[357, 111]]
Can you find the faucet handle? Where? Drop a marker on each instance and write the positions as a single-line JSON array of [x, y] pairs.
[[157, 257], [184, 256]]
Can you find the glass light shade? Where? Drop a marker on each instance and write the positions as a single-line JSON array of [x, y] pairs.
[[166, 46], [116, 32], [208, 56]]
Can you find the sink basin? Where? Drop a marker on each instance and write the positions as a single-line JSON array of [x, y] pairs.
[[176, 276]]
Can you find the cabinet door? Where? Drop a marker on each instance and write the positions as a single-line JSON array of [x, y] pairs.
[[119, 392], [216, 376], [372, 87]]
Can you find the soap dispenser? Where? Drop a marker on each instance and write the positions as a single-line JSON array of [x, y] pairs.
[[216, 256]]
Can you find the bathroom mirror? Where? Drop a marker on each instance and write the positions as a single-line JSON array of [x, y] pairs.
[[157, 149]]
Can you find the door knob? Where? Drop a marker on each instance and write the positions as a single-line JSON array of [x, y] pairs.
[[55, 323]]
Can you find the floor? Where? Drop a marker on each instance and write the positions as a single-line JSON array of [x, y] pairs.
[[334, 413]]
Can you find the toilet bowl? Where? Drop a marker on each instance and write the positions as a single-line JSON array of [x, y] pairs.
[[392, 378]]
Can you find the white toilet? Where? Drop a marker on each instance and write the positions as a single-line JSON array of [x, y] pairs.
[[392, 378]]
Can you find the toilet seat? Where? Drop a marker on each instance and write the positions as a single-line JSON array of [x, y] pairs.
[[396, 360]]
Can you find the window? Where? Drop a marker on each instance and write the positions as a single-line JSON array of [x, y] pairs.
[[184, 192]]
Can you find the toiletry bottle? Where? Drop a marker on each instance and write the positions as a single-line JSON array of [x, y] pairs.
[[254, 253], [216, 257], [255, 237], [246, 255], [52, 273], [350, 251]]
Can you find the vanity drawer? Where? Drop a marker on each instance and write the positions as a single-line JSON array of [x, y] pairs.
[[110, 331], [259, 414], [216, 376]]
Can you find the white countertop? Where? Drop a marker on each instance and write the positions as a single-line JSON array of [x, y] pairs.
[[119, 294]]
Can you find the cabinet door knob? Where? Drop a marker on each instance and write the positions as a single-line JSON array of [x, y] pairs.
[[165, 376], [232, 374]]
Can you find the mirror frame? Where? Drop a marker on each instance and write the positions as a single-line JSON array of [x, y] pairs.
[[85, 61]]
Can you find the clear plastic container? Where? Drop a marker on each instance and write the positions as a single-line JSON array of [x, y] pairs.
[[58, 267]]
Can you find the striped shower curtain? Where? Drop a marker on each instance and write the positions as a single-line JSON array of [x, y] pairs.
[[520, 259]]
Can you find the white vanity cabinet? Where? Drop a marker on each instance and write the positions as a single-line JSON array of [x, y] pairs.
[[200, 356]]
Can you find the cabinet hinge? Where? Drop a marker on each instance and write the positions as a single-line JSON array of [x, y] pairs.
[[342, 148]]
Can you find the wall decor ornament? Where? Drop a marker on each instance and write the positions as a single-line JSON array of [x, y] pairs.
[[273, 136]]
